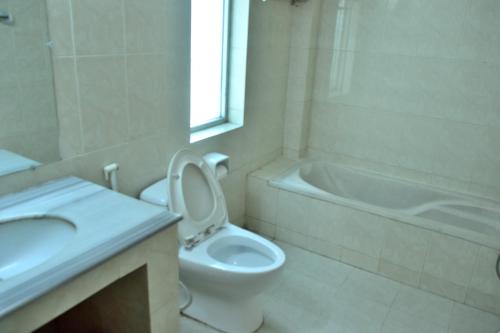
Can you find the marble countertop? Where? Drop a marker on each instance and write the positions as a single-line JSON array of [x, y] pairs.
[[11, 162], [106, 223]]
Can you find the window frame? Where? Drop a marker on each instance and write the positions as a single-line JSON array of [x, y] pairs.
[[224, 117]]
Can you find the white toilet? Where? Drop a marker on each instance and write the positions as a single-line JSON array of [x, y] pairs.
[[223, 266]]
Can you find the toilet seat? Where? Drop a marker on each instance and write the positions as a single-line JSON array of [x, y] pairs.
[[195, 193], [206, 255]]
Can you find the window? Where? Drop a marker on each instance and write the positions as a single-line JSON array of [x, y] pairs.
[[219, 39], [209, 39]]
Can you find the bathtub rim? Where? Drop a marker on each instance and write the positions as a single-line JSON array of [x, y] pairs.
[[308, 190]]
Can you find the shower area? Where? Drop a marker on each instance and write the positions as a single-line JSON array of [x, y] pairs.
[[391, 155]]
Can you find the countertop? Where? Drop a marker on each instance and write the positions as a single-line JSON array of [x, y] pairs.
[[106, 223], [11, 162]]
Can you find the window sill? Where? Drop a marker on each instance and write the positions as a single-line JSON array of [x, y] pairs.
[[213, 131]]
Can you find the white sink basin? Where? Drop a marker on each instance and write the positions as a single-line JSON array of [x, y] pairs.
[[28, 242]]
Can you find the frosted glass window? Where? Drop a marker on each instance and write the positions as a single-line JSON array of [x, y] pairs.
[[208, 67]]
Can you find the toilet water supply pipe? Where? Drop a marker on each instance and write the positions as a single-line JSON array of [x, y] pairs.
[[188, 294]]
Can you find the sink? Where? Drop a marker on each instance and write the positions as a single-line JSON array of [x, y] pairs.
[[28, 242]]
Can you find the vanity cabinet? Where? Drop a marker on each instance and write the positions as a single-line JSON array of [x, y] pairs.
[[134, 291]]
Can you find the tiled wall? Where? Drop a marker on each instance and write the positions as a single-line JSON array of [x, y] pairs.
[[303, 47], [410, 88], [28, 119], [121, 69], [449, 266]]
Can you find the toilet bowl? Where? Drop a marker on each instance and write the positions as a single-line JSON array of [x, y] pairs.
[[223, 266]]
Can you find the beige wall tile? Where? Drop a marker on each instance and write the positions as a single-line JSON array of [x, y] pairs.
[[327, 221], [324, 247], [59, 14], [291, 237], [261, 227], [234, 188], [450, 259], [146, 26], [147, 101], [361, 232], [98, 27], [68, 110], [271, 170], [360, 260], [442, 287], [399, 273], [261, 200], [295, 212], [103, 101], [302, 57], [405, 246]]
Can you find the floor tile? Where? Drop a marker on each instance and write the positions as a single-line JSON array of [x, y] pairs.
[[318, 267], [351, 313], [465, 319], [370, 286], [305, 292], [315, 294], [403, 322], [282, 316], [422, 306]]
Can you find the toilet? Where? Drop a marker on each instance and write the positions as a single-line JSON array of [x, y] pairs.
[[223, 266]]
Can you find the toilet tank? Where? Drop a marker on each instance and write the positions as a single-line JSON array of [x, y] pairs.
[[156, 194]]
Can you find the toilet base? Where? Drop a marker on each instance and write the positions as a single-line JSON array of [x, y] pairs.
[[227, 315]]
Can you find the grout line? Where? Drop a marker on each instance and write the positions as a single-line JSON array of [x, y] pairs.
[[199, 323], [77, 79], [448, 328], [391, 307], [473, 272], [113, 54], [414, 55], [125, 55], [430, 240]]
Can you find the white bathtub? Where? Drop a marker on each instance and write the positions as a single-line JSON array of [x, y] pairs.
[[443, 242], [470, 218]]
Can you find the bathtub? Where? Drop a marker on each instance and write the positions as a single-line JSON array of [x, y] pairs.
[[443, 242], [471, 218]]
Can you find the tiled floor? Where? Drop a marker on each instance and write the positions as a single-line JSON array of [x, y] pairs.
[[316, 294]]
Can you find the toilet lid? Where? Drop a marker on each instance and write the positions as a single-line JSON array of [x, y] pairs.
[[197, 196]]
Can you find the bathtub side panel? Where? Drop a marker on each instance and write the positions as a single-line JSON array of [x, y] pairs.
[[261, 200], [403, 252], [448, 266]]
